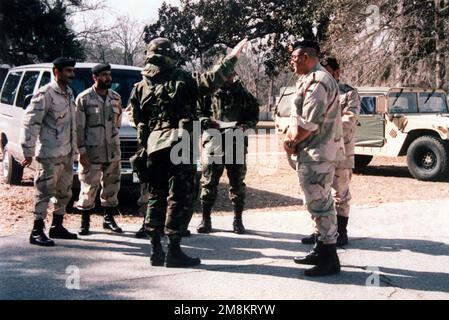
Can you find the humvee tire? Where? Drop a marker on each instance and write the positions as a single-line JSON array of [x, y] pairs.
[[12, 170], [362, 161], [428, 159]]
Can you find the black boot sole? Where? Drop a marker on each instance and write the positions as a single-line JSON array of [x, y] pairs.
[[182, 265], [118, 231], [42, 244], [63, 237], [330, 272], [310, 262], [204, 231]]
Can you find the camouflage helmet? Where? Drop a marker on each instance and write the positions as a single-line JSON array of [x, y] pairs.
[[161, 46]]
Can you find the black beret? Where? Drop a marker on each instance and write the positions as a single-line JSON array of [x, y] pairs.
[[331, 62], [306, 44], [99, 68], [62, 62]]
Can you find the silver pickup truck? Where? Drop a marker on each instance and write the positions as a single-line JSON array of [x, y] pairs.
[[18, 88]]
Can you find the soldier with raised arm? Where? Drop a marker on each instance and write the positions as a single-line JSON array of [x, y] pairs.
[[164, 108]]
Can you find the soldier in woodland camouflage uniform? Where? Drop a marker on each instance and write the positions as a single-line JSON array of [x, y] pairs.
[[49, 124], [232, 103], [164, 108], [99, 116], [316, 135], [350, 109]]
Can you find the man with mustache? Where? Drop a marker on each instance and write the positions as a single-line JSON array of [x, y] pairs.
[[98, 117], [316, 137], [49, 125]]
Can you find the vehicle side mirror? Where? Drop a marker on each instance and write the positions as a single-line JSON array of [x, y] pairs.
[[27, 101]]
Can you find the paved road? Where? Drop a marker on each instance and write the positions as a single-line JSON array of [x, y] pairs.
[[403, 247]]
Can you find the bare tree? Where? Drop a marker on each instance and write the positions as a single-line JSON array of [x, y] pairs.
[[391, 42], [128, 36]]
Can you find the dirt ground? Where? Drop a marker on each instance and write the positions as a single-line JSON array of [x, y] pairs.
[[272, 185]]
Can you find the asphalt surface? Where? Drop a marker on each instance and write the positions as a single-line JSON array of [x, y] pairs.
[[397, 251]]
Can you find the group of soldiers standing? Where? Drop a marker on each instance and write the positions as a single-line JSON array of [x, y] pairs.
[[162, 107]]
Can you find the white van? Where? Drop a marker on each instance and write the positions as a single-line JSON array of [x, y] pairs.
[[23, 82]]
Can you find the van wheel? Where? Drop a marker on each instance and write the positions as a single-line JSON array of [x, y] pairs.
[[427, 159], [12, 170], [362, 161]]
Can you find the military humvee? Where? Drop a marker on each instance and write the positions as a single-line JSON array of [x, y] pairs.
[[412, 122]]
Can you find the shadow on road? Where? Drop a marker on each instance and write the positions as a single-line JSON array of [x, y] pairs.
[[25, 266]]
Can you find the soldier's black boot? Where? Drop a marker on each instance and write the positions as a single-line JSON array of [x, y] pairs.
[[142, 233], [175, 258], [85, 223], [342, 231], [312, 239], [238, 226], [313, 257], [206, 224], [157, 253], [329, 263], [109, 221], [57, 230], [38, 236]]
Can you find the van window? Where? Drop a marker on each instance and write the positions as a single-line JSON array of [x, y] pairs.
[[10, 88], [46, 78], [402, 102], [369, 105], [26, 87], [122, 82]]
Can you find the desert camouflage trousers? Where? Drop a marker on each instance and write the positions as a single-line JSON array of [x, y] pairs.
[[53, 181], [316, 180], [106, 175], [341, 193]]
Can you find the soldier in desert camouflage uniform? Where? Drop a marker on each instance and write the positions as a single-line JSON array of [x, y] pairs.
[[163, 108], [49, 124], [350, 109], [99, 116], [316, 136]]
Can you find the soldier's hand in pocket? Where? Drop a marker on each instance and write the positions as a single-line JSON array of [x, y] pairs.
[[27, 162]]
